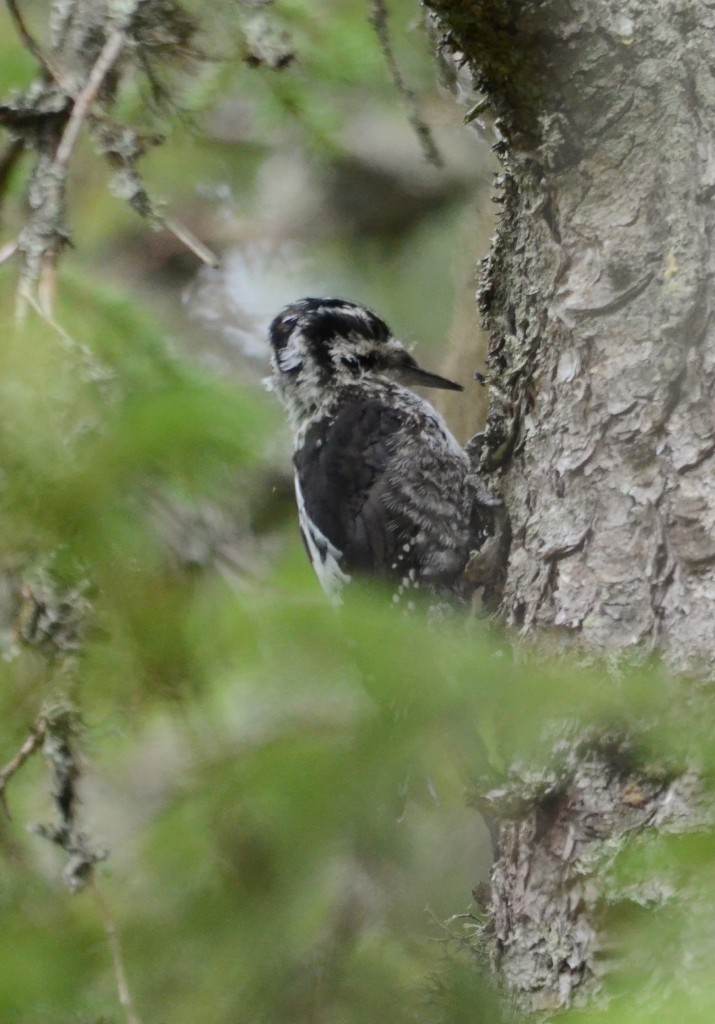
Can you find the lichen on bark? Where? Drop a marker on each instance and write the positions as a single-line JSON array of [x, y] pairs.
[[597, 296]]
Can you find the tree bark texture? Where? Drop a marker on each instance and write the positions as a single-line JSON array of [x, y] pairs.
[[599, 300], [598, 296]]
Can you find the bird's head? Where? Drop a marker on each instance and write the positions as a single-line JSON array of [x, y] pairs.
[[318, 344]]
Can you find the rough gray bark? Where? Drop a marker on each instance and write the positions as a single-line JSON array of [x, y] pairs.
[[562, 828], [598, 295], [599, 300]]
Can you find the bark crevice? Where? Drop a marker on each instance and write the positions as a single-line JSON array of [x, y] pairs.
[[598, 298]]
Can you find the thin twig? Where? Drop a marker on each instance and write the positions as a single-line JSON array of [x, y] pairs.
[[23, 298], [47, 285], [83, 104], [379, 19], [51, 71], [7, 164], [70, 343], [27, 39], [7, 251], [191, 242], [93, 370], [115, 947], [28, 748], [41, 269]]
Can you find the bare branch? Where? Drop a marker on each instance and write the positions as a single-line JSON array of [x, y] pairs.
[[8, 160], [123, 991], [60, 747], [83, 104], [189, 239], [7, 251], [42, 237], [32, 743], [47, 285], [50, 119], [27, 39], [69, 343], [379, 20]]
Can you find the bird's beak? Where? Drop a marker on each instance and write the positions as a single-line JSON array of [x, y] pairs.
[[418, 377]]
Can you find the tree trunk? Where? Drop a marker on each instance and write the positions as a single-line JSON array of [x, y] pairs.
[[598, 297]]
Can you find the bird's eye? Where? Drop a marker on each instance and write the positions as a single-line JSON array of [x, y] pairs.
[[350, 363]]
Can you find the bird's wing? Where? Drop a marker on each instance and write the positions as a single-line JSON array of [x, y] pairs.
[[343, 480]]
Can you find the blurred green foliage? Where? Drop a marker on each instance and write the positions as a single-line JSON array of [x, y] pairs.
[[248, 745], [227, 120], [246, 751], [258, 764]]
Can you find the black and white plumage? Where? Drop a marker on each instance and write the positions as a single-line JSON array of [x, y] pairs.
[[381, 483]]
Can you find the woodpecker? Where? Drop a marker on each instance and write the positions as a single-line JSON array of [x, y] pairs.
[[380, 482]]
